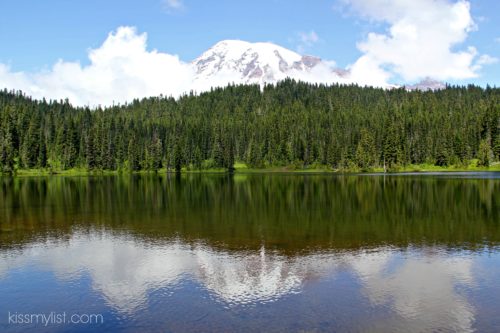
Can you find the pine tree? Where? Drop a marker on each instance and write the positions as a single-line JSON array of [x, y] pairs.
[[483, 154], [391, 146], [133, 156], [154, 154], [42, 155], [496, 147], [217, 152], [365, 151], [90, 152], [6, 151]]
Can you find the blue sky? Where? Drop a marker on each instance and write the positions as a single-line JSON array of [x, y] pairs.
[[35, 34]]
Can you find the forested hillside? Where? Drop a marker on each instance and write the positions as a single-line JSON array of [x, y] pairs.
[[291, 124]]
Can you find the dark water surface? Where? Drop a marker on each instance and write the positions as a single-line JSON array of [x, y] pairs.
[[253, 253]]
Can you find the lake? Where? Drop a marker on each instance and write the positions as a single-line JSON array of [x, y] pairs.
[[251, 253]]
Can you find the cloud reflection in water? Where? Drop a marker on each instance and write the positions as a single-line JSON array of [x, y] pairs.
[[422, 288]]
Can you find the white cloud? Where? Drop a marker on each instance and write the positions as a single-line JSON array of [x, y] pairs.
[[307, 40], [120, 70], [173, 4], [421, 39], [486, 60]]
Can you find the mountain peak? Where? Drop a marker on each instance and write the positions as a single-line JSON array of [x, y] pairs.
[[427, 84], [240, 62], [246, 62]]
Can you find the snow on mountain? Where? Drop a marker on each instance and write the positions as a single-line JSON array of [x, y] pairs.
[[240, 62], [235, 61], [427, 84]]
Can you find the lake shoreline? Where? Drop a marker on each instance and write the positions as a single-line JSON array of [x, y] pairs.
[[423, 169]]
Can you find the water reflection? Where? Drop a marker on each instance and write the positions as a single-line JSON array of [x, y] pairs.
[[124, 269], [412, 254], [422, 288], [289, 213]]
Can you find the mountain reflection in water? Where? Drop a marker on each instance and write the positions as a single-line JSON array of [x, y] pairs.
[[210, 253]]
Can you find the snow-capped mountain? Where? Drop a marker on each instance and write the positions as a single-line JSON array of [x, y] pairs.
[[240, 62], [235, 61], [427, 84]]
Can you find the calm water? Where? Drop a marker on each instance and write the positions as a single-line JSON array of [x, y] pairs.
[[276, 253]]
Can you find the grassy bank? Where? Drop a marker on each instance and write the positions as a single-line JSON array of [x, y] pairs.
[[472, 166], [242, 168]]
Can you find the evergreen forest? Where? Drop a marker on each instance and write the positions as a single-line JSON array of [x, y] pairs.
[[293, 125]]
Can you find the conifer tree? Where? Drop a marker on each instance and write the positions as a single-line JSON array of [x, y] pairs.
[[483, 154]]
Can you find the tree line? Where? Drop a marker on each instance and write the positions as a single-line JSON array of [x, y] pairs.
[[293, 124]]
